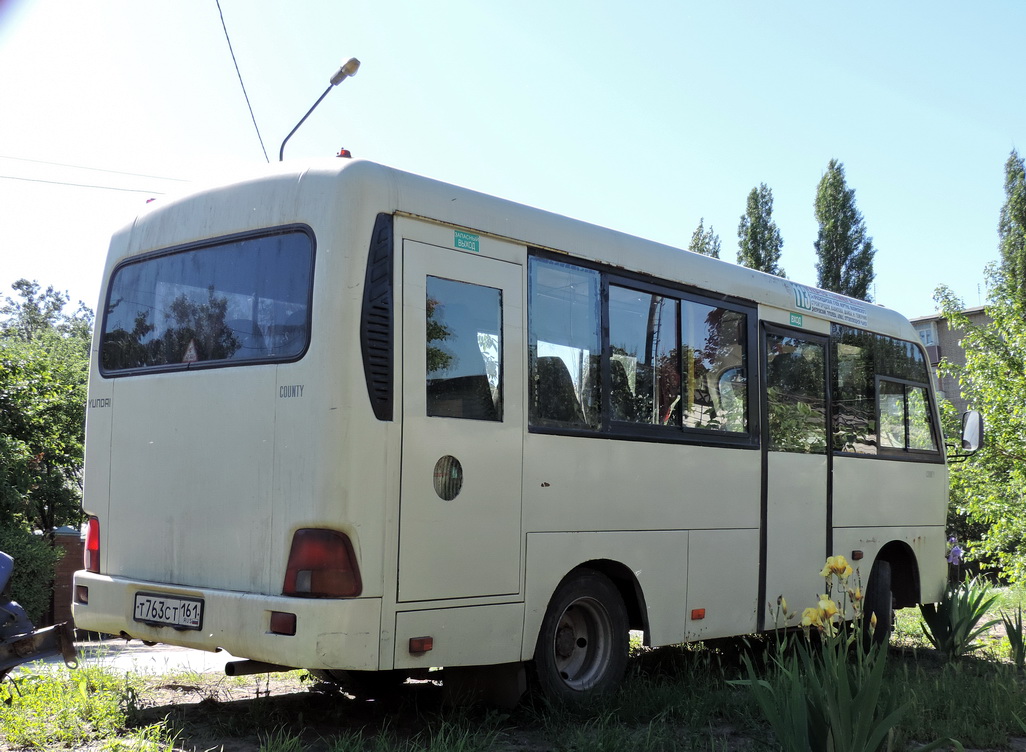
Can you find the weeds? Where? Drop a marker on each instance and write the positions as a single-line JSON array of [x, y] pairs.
[[282, 741], [152, 738]]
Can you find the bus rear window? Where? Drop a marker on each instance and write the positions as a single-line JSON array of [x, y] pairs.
[[243, 300]]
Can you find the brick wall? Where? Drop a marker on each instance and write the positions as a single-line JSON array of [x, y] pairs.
[[72, 545]]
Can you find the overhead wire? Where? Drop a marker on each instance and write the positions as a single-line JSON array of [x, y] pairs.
[[243, 85], [91, 169], [82, 185]]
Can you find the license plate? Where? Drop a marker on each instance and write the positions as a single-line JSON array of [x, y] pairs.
[[170, 610]]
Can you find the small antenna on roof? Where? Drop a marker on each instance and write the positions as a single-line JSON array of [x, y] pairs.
[[347, 70]]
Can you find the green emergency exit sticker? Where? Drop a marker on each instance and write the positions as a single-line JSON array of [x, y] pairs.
[[466, 241], [797, 319]]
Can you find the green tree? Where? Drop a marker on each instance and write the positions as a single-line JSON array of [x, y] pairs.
[[705, 241], [1012, 234], [759, 240], [43, 374], [843, 247], [988, 491], [32, 313]]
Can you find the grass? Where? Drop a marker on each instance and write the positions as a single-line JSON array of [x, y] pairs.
[[40, 710], [676, 698]]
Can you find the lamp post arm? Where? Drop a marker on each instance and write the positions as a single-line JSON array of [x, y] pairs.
[[281, 152]]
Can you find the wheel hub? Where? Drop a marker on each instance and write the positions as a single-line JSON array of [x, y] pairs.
[[565, 641]]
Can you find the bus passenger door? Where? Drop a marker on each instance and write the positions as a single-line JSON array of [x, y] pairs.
[[460, 501], [795, 439]]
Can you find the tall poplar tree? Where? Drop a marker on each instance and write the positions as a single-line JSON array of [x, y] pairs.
[[1011, 282], [758, 239], [705, 241], [843, 247]]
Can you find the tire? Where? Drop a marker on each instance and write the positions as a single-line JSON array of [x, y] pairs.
[[583, 642], [879, 601]]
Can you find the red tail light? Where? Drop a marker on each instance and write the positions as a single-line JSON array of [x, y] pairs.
[[92, 546], [322, 565]]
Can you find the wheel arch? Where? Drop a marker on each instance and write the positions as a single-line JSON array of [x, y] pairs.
[[627, 585], [905, 583]]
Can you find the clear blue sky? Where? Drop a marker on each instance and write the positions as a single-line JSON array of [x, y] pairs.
[[643, 117]]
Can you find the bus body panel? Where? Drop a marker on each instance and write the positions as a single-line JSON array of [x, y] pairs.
[[462, 636], [213, 502], [901, 494], [667, 486], [330, 633], [796, 527], [716, 606]]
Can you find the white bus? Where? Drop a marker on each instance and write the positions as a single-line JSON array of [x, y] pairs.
[[354, 420]]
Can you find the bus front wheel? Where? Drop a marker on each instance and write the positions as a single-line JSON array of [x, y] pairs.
[[583, 643]]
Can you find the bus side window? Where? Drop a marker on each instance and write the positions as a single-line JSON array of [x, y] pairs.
[[463, 341], [565, 345], [880, 393], [796, 395], [715, 396]]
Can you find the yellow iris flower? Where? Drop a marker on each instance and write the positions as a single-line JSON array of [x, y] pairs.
[[827, 607], [837, 565], [811, 618]]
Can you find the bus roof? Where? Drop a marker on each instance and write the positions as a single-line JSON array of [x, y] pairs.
[[406, 193]]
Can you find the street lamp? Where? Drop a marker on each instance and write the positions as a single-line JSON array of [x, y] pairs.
[[348, 69]]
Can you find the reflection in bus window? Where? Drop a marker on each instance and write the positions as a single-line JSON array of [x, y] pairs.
[[796, 395], [872, 412], [240, 301], [716, 372], [463, 341], [892, 415], [564, 345], [905, 422], [920, 426], [644, 361], [666, 361], [854, 395]]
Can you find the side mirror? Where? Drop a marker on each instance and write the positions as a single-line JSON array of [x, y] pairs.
[[972, 431]]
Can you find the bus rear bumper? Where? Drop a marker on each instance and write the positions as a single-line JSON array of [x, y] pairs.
[[329, 633]]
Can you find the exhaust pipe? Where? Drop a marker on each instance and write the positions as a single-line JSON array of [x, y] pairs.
[[242, 668]]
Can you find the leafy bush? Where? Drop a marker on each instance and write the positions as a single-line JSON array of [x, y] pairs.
[[34, 564]]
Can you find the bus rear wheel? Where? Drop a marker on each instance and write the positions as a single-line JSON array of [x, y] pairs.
[[583, 643], [879, 602]]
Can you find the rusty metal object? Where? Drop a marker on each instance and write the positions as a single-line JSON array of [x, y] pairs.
[[41, 643]]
